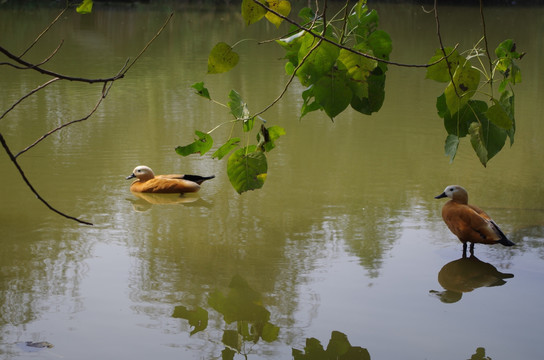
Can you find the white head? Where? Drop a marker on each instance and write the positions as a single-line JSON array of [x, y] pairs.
[[455, 192], [142, 173]]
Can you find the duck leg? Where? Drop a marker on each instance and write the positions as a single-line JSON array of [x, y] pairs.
[[472, 249], [464, 250]]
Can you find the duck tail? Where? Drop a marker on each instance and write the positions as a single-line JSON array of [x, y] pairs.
[[503, 239], [197, 178]]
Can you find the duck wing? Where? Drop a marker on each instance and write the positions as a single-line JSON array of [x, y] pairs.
[[502, 239], [194, 178]]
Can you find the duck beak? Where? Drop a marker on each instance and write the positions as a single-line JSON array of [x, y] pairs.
[[443, 195], [132, 176]]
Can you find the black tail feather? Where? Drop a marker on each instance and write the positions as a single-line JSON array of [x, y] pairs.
[[197, 178]]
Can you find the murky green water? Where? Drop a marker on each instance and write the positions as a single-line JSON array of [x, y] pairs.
[[345, 238]]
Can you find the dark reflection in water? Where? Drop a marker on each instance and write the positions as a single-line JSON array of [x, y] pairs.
[[242, 306], [144, 201], [465, 275]]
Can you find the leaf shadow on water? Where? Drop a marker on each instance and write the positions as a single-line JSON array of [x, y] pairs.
[[465, 275], [242, 305]]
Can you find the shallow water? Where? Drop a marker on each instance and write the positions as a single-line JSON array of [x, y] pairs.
[[344, 237]]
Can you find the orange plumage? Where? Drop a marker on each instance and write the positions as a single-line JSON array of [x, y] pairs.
[[147, 182], [468, 222]]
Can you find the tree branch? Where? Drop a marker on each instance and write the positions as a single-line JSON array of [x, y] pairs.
[[322, 37], [25, 179], [107, 84]]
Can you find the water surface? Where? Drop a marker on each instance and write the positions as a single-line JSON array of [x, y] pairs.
[[344, 238]]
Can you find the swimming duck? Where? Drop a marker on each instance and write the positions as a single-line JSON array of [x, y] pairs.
[[468, 222], [147, 182]]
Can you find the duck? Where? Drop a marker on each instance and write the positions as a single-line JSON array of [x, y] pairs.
[[468, 222], [147, 182]]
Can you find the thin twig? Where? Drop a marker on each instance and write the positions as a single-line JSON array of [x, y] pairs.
[[25, 179], [27, 95], [102, 97], [43, 32], [148, 44], [437, 20], [291, 78], [487, 46], [345, 25]]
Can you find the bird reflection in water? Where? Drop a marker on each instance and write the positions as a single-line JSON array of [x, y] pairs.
[[145, 201], [465, 275]]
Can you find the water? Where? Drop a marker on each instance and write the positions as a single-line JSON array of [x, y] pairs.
[[345, 236]]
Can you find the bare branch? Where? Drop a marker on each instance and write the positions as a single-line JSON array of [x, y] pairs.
[[437, 20], [107, 84], [486, 46], [43, 32], [54, 74], [25, 179], [149, 43], [27, 95], [102, 97]]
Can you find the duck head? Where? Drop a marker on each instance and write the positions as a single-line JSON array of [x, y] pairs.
[[456, 193], [143, 173]]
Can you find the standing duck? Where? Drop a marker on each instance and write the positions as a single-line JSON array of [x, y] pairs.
[[147, 182], [468, 222]]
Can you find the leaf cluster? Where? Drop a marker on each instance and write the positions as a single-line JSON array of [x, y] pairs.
[[487, 123], [338, 61], [247, 165]]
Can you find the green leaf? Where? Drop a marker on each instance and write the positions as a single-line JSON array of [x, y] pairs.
[[202, 144], [306, 14], [309, 103], [238, 108], [498, 116], [291, 45], [466, 79], [222, 58], [507, 54], [85, 7], [333, 94], [380, 43], [441, 106], [318, 63], [358, 67], [247, 169], [248, 124], [376, 94], [251, 12], [459, 123], [507, 103], [439, 72], [226, 148], [201, 90], [451, 146], [477, 142], [267, 136], [282, 7]]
